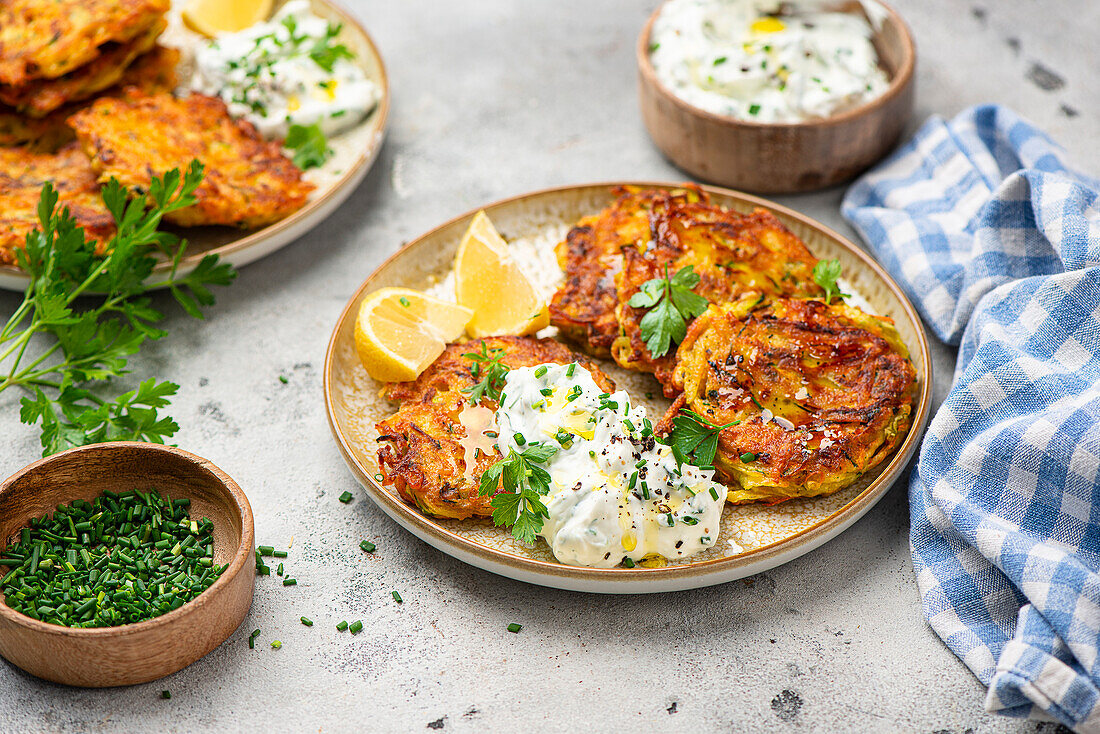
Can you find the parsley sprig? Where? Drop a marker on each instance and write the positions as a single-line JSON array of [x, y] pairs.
[[671, 305], [826, 273], [309, 145], [694, 439], [525, 483], [489, 372], [92, 343], [325, 53]]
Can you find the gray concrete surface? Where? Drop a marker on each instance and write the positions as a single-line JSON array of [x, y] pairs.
[[493, 98]]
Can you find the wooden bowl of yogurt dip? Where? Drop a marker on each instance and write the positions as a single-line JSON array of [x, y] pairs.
[[775, 97]]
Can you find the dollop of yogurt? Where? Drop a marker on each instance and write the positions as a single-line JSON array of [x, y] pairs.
[[290, 70], [766, 60], [616, 493]]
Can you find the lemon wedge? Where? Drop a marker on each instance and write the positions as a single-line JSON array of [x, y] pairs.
[[399, 332], [211, 17], [487, 280]]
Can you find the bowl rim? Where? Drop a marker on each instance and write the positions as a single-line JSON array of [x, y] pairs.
[[902, 78], [242, 554], [813, 535]]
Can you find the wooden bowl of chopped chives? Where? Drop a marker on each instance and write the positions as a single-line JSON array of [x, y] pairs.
[[128, 560]]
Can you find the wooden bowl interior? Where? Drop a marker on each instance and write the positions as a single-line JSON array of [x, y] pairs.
[[85, 475]]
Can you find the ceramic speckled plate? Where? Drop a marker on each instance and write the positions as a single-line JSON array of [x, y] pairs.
[[533, 224], [354, 151]]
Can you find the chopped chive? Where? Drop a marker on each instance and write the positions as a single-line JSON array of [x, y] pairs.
[[690, 520], [356, 627], [275, 644], [341, 626], [279, 554], [540, 371], [514, 628], [279, 570], [282, 379], [307, 621], [714, 493], [252, 639], [754, 109], [519, 439], [367, 546], [346, 497], [748, 456], [403, 301], [165, 694], [628, 563], [290, 582], [570, 369], [397, 597], [265, 550]]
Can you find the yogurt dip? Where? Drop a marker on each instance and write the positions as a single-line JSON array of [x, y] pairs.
[[616, 494], [290, 70], [764, 60]]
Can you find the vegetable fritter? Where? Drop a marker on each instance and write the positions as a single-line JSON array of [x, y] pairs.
[[248, 181], [583, 308], [22, 174], [40, 97], [44, 39], [421, 452], [813, 395], [647, 233], [152, 73], [731, 253]]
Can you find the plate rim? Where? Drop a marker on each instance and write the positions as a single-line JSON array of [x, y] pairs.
[[667, 578], [13, 277]]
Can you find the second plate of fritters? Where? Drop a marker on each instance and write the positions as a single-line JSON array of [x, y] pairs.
[[22, 175], [44, 39], [420, 447], [816, 394], [247, 181]]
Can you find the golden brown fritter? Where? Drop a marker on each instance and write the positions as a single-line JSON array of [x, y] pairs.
[[40, 97], [591, 256], [248, 181], [22, 175], [820, 393], [421, 452], [731, 253], [45, 39], [152, 73]]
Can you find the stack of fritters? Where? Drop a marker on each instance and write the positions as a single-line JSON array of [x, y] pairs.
[[820, 393], [55, 54], [421, 452]]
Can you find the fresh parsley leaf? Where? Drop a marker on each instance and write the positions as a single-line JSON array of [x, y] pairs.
[[694, 439], [489, 372], [671, 303], [92, 340], [826, 273], [522, 484], [309, 145]]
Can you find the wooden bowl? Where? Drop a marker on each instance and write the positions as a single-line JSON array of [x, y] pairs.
[[144, 651], [782, 157]]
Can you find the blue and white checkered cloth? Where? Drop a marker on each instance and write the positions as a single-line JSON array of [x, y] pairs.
[[997, 242]]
